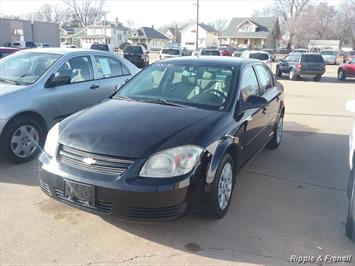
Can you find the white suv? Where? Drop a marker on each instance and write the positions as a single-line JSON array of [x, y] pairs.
[[260, 55], [350, 223]]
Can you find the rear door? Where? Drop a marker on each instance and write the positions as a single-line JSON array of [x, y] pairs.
[[111, 73], [255, 120], [79, 93], [312, 62]]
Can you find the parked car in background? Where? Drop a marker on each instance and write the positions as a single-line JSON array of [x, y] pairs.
[[238, 51], [68, 45], [39, 87], [169, 52], [348, 56], [20, 44], [163, 145], [5, 51], [329, 56], [271, 52], [350, 221], [226, 50], [42, 45], [300, 50], [258, 54], [347, 70], [301, 65], [209, 51], [137, 54], [284, 51], [100, 47]]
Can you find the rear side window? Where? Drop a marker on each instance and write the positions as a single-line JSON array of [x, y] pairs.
[[265, 78], [170, 51], [110, 67], [260, 56], [133, 49], [312, 58], [209, 52], [248, 84]]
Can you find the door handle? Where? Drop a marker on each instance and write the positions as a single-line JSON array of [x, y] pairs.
[[264, 110], [94, 87]]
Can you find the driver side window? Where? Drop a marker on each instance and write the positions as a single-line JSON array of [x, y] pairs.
[[78, 69], [248, 85]]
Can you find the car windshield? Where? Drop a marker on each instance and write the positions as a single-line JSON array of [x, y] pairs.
[[133, 49], [202, 86], [209, 52], [328, 53], [171, 51], [260, 56], [352, 53], [312, 58], [25, 68]]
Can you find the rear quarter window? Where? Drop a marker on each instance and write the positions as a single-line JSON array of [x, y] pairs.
[[312, 58], [260, 56]]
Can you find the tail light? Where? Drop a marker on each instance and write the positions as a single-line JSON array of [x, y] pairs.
[[299, 66]]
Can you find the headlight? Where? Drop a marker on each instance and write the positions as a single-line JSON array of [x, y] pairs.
[[172, 162], [52, 141]]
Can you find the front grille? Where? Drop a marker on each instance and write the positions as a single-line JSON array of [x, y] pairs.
[[44, 186], [91, 162], [154, 213], [100, 206]]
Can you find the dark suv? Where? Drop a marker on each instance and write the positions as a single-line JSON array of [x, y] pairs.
[[302, 65], [137, 55]]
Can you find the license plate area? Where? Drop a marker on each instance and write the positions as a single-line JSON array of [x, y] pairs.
[[80, 193]]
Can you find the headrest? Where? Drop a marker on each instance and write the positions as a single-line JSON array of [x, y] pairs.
[[191, 80], [208, 75]]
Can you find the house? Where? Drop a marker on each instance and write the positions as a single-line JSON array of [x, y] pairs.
[[153, 39], [70, 35], [17, 30], [174, 35], [113, 34], [257, 32], [207, 36]]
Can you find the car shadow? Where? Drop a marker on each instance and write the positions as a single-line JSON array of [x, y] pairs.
[[325, 79]]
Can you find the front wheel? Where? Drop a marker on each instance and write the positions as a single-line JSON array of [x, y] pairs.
[[350, 223], [278, 131], [222, 190], [22, 139]]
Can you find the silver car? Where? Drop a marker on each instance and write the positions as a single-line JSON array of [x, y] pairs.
[[329, 56], [40, 87]]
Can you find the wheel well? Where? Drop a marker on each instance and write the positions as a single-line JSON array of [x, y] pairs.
[[234, 151], [282, 111], [33, 115]]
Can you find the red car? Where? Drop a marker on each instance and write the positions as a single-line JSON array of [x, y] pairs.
[[348, 56], [5, 51], [225, 50], [347, 70]]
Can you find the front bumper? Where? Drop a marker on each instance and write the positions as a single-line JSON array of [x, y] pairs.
[[126, 198]]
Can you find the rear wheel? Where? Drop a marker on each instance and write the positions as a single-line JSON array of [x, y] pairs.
[[317, 78], [22, 139], [350, 223], [278, 131], [292, 75], [278, 72], [222, 188], [341, 75]]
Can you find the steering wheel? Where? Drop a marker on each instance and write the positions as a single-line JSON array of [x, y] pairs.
[[217, 93]]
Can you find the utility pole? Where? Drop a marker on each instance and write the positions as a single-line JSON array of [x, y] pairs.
[[197, 22]]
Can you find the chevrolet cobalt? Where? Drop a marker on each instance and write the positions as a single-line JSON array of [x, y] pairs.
[[170, 141]]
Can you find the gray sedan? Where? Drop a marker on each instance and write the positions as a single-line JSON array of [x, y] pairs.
[[39, 87]]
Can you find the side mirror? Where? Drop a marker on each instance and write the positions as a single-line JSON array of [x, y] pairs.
[[254, 101], [55, 81], [350, 106]]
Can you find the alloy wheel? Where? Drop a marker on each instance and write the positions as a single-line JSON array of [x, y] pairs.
[[279, 130], [24, 141], [225, 186]]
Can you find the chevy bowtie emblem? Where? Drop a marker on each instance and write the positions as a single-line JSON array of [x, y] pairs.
[[89, 161]]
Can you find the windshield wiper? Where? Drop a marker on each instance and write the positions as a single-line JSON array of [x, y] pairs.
[[10, 81], [121, 97], [162, 101]]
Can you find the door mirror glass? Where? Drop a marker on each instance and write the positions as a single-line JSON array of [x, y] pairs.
[[55, 81]]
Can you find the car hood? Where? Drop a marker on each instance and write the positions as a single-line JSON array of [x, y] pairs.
[[6, 89], [133, 129]]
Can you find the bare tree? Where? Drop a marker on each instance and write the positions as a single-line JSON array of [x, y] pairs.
[[290, 11], [49, 13], [220, 24], [86, 12], [346, 22]]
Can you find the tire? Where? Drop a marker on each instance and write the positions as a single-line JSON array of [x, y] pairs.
[[277, 137], [341, 75], [18, 147], [317, 78], [278, 72], [216, 207], [292, 75], [350, 222]]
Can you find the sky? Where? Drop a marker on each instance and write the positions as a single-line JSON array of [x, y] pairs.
[[157, 12]]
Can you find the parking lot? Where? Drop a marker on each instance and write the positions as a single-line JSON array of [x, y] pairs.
[[290, 201]]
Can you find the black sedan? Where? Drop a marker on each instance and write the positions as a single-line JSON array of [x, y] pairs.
[[170, 141]]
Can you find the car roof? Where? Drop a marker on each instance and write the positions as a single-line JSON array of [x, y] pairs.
[[64, 51], [218, 60]]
